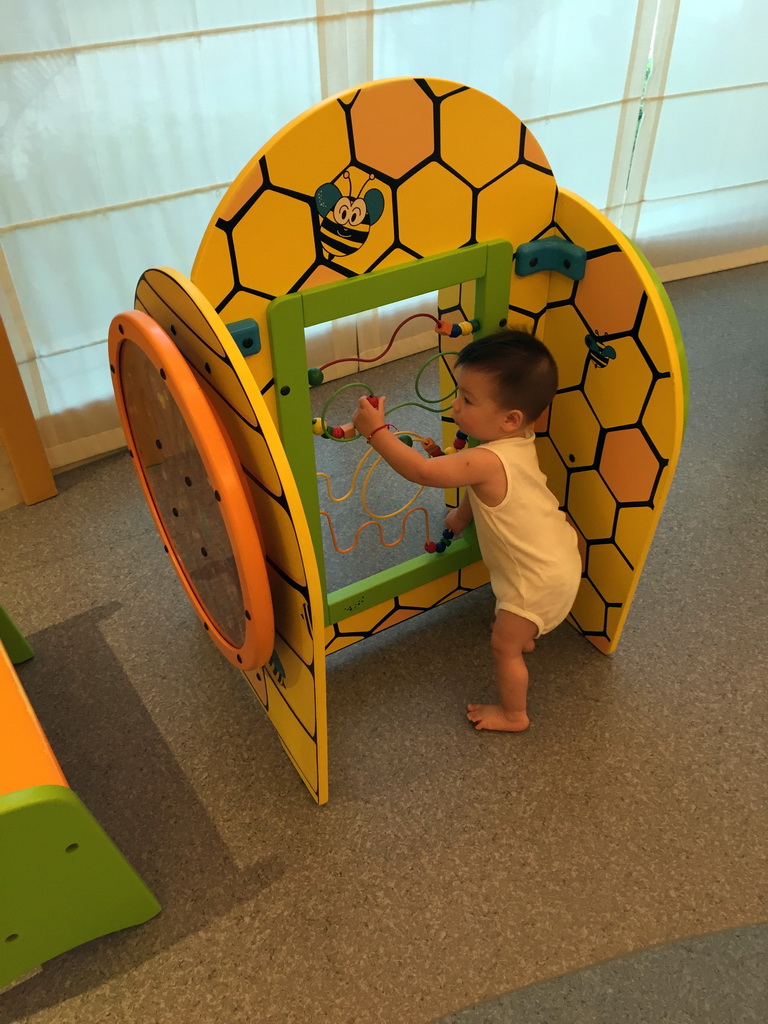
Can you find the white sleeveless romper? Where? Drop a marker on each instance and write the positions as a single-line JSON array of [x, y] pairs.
[[526, 541]]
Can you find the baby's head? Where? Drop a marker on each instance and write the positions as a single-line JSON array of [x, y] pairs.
[[521, 370]]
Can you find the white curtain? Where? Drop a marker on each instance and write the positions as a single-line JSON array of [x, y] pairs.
[[698, 184], [123, 124]]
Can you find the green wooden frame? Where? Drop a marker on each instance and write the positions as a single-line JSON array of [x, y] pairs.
[[489, 264]]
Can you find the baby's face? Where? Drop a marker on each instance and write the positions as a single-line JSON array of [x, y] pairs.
[[475, 409]]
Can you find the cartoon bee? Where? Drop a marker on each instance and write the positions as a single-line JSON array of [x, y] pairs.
[[346, 221], [599, 352], [277, 668]]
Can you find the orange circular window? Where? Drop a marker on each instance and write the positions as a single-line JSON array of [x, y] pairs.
[[195, 488]]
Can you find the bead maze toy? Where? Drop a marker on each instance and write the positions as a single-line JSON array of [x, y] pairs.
[[385, 192], [346, 432]]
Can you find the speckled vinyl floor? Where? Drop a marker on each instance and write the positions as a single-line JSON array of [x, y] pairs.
[[453, 876]]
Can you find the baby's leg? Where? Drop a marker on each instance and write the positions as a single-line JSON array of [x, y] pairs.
[[512, 634], [528, 646]]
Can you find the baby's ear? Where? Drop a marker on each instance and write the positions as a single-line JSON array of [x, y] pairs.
[[514, 420]]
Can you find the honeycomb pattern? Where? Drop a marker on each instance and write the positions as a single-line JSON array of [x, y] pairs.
[[401, 148], [610, 437]]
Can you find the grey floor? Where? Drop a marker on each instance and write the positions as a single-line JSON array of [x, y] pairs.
[[453, 875]]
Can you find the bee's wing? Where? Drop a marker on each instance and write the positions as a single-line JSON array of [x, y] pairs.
[[326, 197]]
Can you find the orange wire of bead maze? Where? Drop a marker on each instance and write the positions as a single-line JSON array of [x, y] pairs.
[[364, 502], [372, 522], [430, 546]]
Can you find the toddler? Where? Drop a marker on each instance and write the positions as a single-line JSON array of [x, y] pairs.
[[505, 382]]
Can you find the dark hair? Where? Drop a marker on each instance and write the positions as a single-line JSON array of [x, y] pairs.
[[523, 368]]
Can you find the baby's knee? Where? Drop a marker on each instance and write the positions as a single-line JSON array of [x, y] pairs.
[[505, 646], [512, 633]]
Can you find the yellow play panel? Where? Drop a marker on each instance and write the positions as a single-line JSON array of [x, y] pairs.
[[615, 428], [405, 140], [290, 680], [394, 189]]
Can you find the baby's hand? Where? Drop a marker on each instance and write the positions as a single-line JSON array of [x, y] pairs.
[[455, 521], [366, 418]]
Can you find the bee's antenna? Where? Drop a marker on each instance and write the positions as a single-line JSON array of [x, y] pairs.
[[369, 178], [347, 175]]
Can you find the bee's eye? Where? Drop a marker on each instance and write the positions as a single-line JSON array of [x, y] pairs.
[[358, 212], [342, 210]]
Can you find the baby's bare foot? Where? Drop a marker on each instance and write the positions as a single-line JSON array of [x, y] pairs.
[[493, 716]]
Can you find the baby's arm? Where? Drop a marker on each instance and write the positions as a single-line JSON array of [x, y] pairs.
[[464, 468]]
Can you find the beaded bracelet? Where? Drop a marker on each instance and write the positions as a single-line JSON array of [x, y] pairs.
[[384, 426]]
